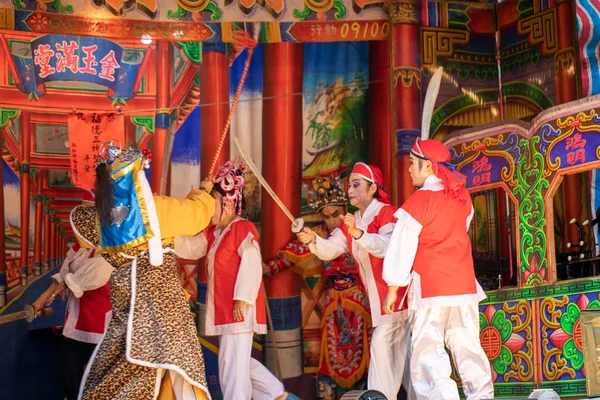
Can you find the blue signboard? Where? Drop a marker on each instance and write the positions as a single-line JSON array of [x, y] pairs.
[[76, 58]]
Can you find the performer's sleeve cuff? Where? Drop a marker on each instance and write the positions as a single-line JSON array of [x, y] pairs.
[[73, 285], [237, 298], [58, 278]]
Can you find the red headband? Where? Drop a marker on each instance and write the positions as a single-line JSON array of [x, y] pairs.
[[438, 154], [372, 174]]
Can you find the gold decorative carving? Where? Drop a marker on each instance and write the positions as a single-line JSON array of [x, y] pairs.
[[564, 59], [541, 28], [441, 42], [408, 76], [404, 13]]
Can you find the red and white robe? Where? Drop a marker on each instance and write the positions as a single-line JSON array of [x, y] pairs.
[[234, 266], [430, 250], [87, 275], [390, 340]]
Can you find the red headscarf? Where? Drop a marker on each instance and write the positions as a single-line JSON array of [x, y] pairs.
[[372, 174], [438, 154]]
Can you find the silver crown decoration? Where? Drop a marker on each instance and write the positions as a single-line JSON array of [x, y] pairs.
[[113, 153]]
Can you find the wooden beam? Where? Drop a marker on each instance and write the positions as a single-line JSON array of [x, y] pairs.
[[64, 101]]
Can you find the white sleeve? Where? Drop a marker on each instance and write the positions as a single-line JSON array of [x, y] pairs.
[[91, 274], [400, 255], [376, 244], [191, 247], [64, 269], [249, 275], [470, 218], [330, 248]]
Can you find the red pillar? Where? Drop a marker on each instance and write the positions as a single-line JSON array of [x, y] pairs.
[[47, 233], [566, 91], [25, 188], [214, 103], [406, 77], [381, 139], [214, 108], [2, 244], [52, 240], [37, 244], [282, 147], [161, 123]]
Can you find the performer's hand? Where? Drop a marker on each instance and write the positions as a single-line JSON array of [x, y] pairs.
[[265, 268], [239, 309], [307, 236], [350, 221], [207, 185], [39, 304], [390, 300], [61, 291]]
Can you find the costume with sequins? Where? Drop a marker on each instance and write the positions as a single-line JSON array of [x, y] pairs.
[[150, 349], [346, 321]]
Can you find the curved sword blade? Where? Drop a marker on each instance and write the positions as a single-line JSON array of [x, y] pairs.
[[264, 183]]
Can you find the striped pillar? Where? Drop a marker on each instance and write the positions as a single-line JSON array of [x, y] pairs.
[[381, 137], [52, 240], [46, 252], [37, 242], [162, 118], [406, 80], [282, 161], [25, 188], [566, 91]]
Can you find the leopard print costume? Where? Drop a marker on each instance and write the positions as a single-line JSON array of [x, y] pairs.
[[163, 335]]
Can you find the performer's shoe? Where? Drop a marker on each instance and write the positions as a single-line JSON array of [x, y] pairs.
[[292, 396]]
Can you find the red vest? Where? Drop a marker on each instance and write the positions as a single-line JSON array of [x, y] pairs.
[[87, 317], [378, 287], [222, 276], [443, 260]]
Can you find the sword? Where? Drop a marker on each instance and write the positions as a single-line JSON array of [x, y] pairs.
[[27, 314], [297, 223]]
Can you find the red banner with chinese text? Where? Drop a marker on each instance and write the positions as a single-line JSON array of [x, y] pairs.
[[87, 132]]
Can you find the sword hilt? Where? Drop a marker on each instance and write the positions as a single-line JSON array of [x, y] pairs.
[[298, 225], [28, 314], [32, 315]]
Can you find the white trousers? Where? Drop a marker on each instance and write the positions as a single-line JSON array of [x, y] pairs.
[[390, 355], [457, 328], [242, 377]]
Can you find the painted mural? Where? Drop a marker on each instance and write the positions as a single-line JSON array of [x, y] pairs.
[[334, 110]]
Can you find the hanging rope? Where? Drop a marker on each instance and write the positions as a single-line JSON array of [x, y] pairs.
[[241, 39]]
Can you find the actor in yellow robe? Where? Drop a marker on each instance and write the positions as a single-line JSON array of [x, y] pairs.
[[150, 349]]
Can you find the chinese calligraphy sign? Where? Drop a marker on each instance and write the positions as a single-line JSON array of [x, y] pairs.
[[74, 58], [89, 132]]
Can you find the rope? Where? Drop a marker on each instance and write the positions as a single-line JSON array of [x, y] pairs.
[[241, 39]]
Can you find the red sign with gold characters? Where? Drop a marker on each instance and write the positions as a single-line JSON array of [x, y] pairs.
[[87, 132]]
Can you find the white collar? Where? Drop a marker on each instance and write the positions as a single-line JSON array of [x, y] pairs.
[[433, 183]]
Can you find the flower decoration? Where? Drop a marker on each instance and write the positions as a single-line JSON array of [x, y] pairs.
[[230, 178], [498, 340], [568, 337]]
